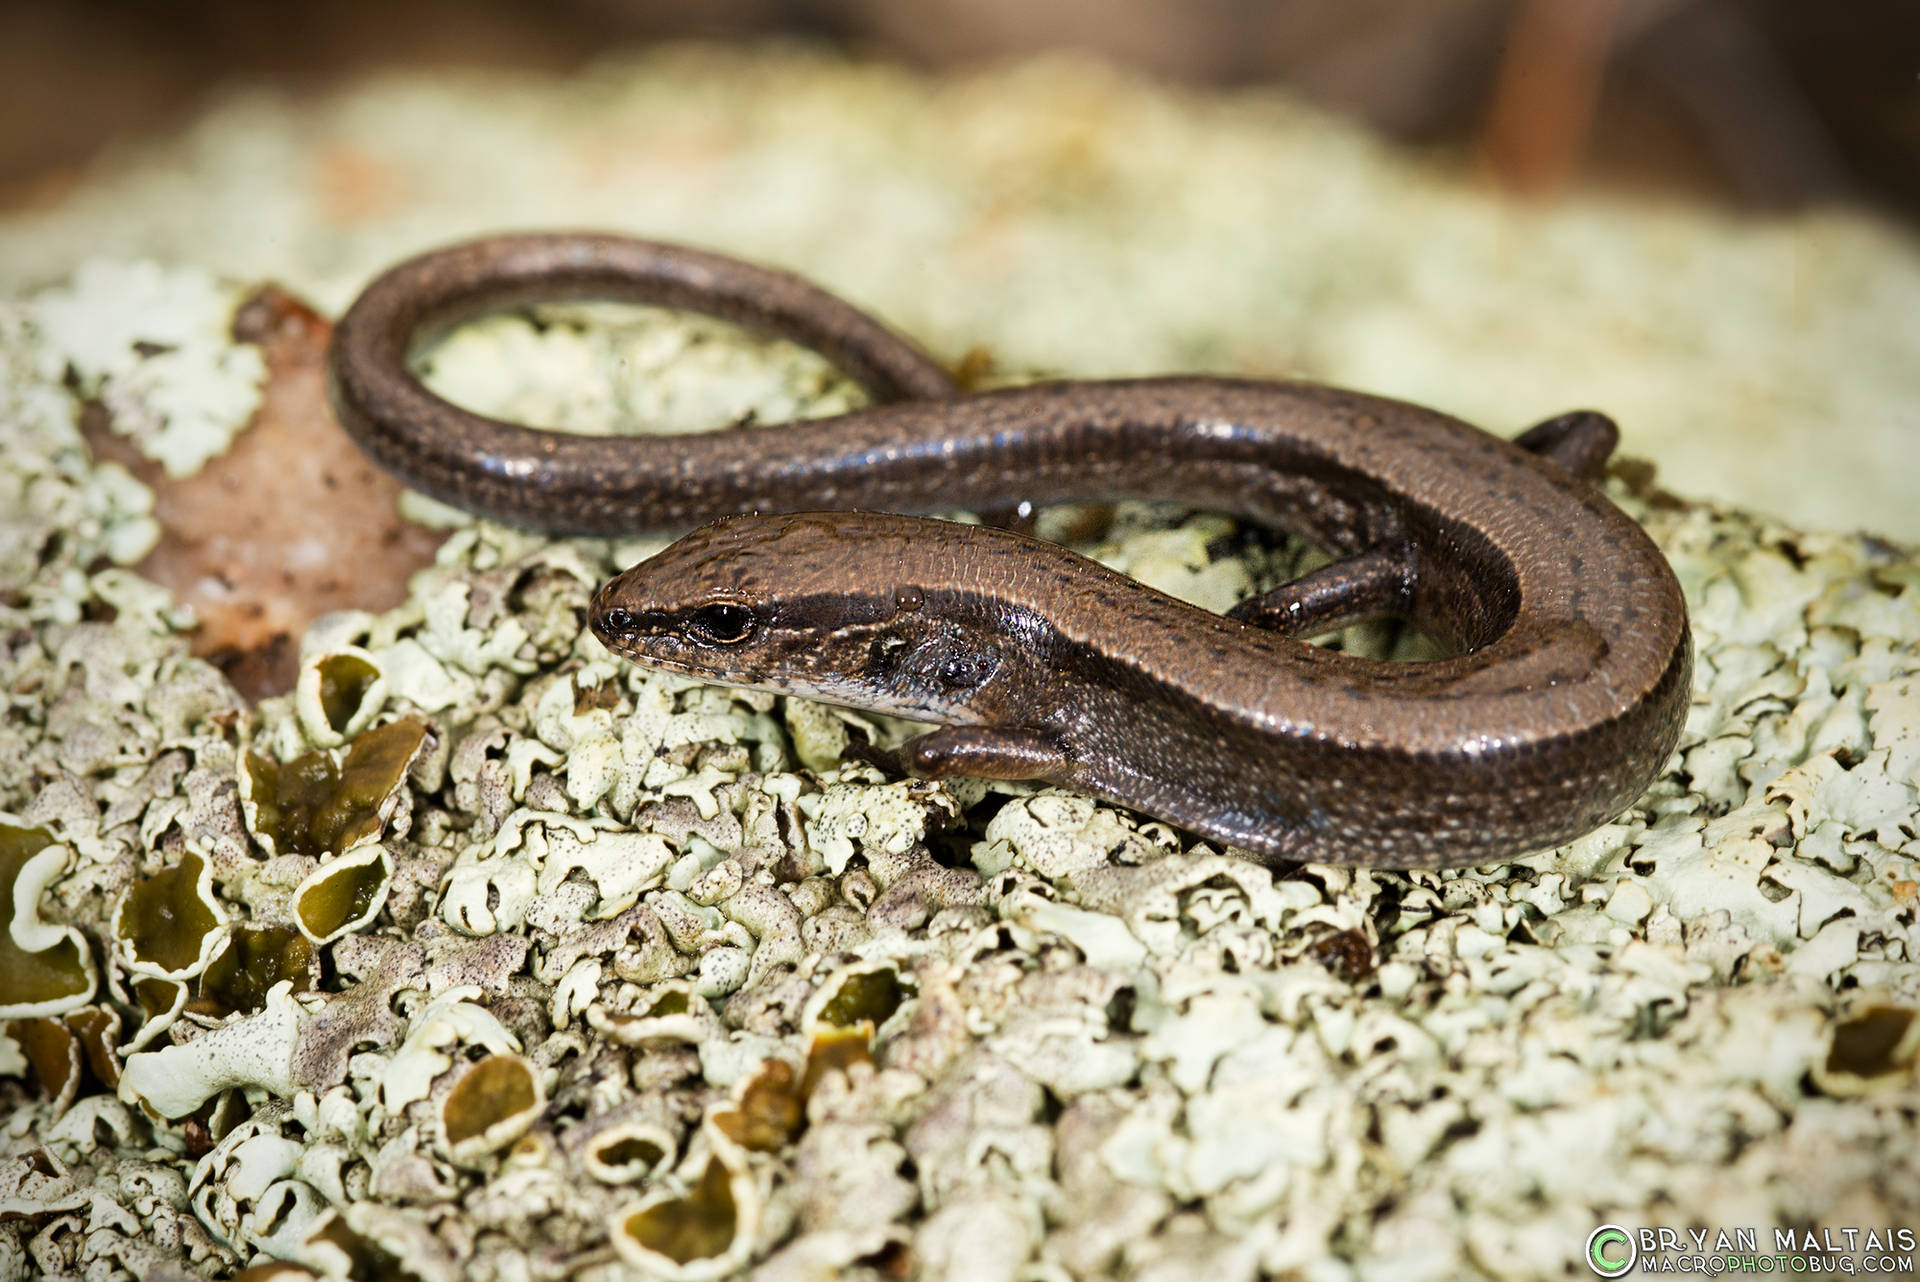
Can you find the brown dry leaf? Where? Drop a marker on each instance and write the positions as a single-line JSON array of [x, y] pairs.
[[290, 523]]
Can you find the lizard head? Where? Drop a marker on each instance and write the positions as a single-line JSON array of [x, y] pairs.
[[860, 609]]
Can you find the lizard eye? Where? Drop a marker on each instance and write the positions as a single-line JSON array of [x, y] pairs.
[[720, 624], [617, 620]]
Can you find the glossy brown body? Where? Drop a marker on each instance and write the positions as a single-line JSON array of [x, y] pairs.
[[1565, 699]]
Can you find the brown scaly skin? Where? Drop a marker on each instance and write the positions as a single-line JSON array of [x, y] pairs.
[[1564, 700]]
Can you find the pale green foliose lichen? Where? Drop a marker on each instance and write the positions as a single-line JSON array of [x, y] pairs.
[[667, 975], [154, 346]]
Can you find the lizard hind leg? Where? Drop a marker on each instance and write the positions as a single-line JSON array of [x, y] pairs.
[[1580, 441], [1366, 585]]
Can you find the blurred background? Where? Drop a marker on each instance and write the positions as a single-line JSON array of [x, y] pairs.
[[1762, 103], [1698, 215]]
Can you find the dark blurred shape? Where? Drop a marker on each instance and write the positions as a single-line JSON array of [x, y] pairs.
[[1400, 64], [1859, 65], [1738, 95], [1769, 103], [76, 75], [1706, 59], [1547, 90]]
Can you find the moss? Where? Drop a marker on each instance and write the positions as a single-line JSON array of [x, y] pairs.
[[344, 682], [699, 1226], [34, 978], [313, 806], [165, 919], [253, 961]]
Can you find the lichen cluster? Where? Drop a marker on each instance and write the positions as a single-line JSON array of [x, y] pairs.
[[483, 954]]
